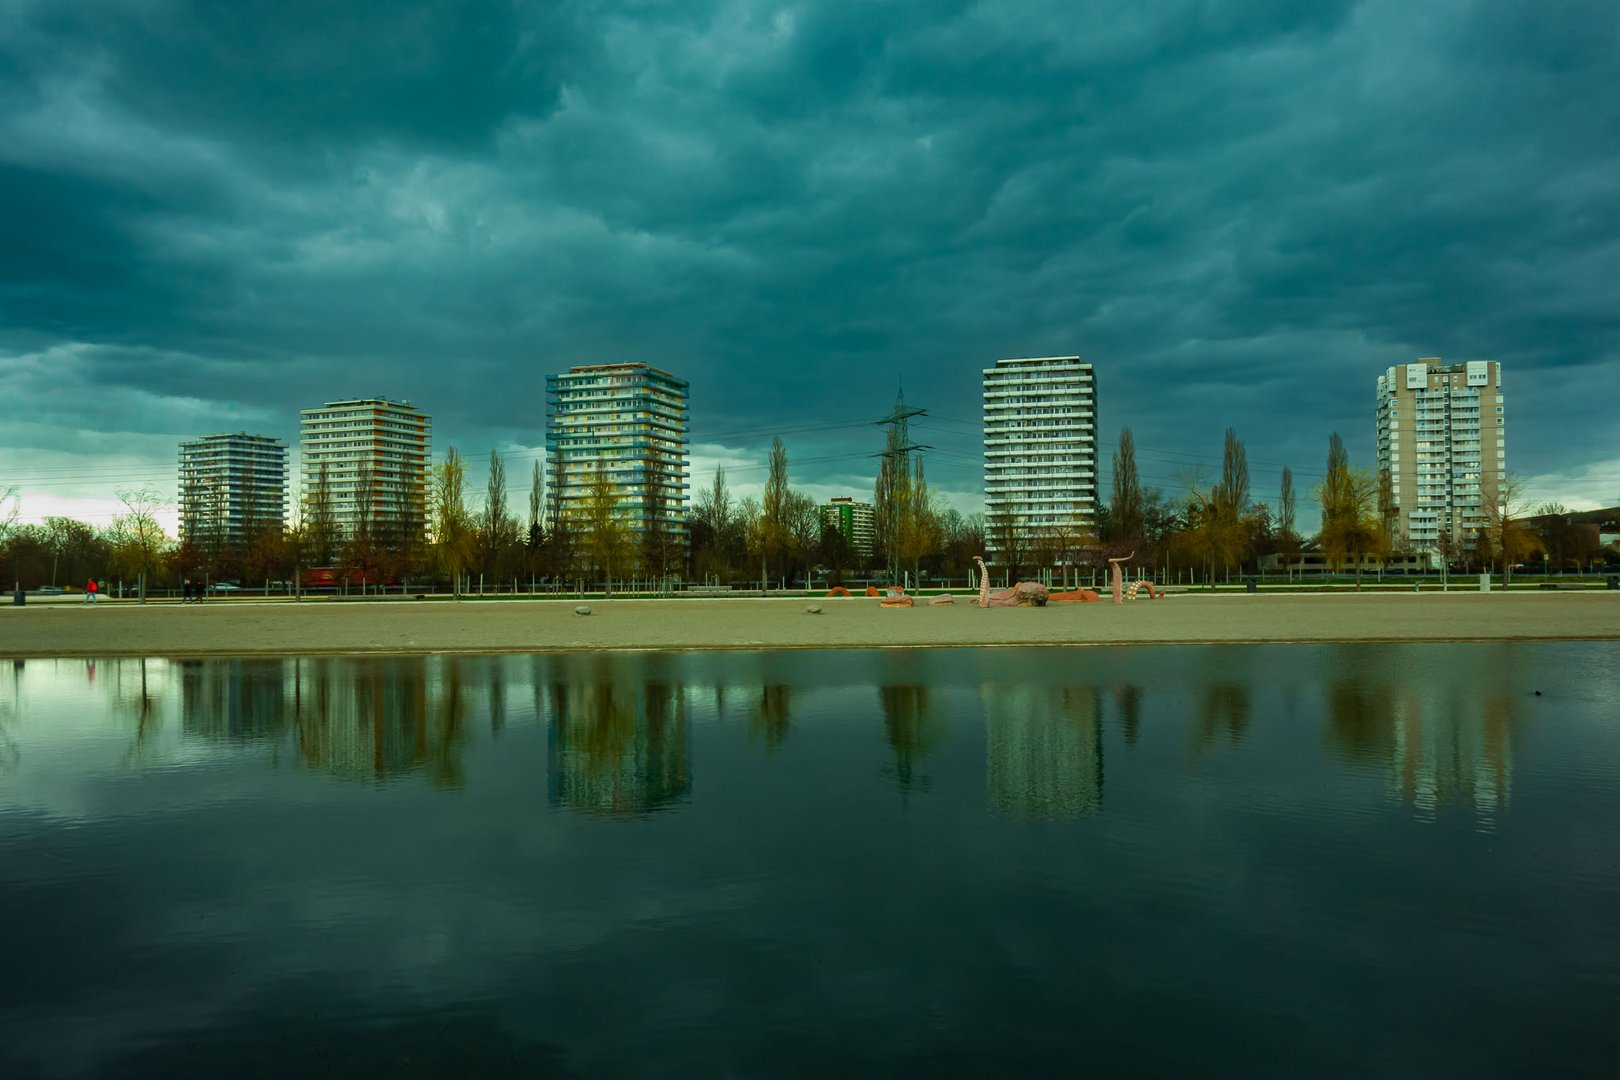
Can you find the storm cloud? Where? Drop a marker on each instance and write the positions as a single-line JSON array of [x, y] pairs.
[[1240, 212]]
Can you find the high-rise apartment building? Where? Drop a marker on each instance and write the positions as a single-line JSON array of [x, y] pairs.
[[1442, 448], [375, 453], [853, 520], [625, 423], [1044, 751], [1040, 449], [230, 485]]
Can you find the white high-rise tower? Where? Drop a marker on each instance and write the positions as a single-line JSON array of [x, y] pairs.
[[1442, 449], [1040, 450]]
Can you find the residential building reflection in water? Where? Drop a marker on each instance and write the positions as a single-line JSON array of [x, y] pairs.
[[1438, 726], [234, 699], [381, 718], [366, 718], [1440, 743], [617, 748], [1043, 750]]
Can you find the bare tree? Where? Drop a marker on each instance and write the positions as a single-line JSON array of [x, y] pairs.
[[889, 498], [1233, 490], [1286, 508], [1229, 501], [1125, 508], [497, 530], [537, 491], [714, 528], [10, 508], [804, 529], [1507, 531], [964, 538], [1389, 513], [774, 527], [137, 539], [1287, 537], [750, 537], [64, 536], [1011, 539], [535, 537], [361, 555], [320, 518]]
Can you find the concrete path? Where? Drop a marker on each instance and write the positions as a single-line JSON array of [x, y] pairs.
[[242, 627]]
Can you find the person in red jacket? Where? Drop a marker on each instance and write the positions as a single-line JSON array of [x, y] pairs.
[[89, 592]]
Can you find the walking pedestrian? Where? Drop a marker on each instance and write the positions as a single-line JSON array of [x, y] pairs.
[[185, 592], [89, 593]]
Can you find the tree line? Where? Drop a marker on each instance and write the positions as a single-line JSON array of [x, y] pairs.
[[441, 538], [1219, 527]]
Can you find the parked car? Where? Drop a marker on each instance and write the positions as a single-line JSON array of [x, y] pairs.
[[224, 587], [51, 590]]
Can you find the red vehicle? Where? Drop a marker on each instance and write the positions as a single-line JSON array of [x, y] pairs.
[[332, 577]]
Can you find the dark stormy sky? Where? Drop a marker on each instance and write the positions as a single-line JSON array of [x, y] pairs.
[[1241, 212]]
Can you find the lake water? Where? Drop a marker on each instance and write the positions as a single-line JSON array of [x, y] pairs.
[[1343, 860]]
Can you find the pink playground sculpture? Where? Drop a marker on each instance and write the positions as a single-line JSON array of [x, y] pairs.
[[1121, 594], [895, 597], [1023, 594], [1034, 594]]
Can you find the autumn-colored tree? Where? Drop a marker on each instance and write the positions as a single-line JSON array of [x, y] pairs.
[[454, 535], [917, 527], [607, 539], [1351, 527]]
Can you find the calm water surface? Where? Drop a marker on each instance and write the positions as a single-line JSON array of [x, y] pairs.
[[1292, 860]]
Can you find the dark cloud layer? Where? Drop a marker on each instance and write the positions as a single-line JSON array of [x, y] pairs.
[[1240, 212]]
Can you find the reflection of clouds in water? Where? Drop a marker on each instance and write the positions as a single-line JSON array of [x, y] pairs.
[[67, 731], [1043, 750]]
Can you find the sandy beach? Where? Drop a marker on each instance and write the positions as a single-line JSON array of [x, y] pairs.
[[244, 627]]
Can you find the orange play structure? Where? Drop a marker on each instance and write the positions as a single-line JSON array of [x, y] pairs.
[[1073, 596]]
